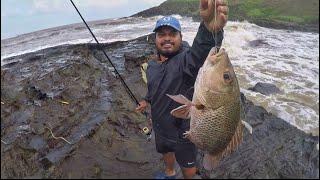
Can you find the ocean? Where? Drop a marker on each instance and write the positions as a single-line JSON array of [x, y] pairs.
[[287, 59]]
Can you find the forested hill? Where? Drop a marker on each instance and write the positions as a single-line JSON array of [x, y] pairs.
[[284, 14]]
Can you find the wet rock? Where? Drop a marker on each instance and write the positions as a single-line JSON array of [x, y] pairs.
[[265, 88], [120, 130], [37, 128], [21, 117], [105, 132], [35, 93], [37, 143], [33, 57], [10, 93], [274, 150], [133, 60], [129, 156], [257, 43], [56, 156]]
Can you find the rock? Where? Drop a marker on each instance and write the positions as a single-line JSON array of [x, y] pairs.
[[37, 143], [35, 93], [133, 60], [257, 43], [265, 88], [276, 149]]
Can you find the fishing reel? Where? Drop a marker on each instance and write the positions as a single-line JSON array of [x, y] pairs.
[[147, 132]]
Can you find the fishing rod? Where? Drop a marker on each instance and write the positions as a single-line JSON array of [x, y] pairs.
[[145, 130], [100, 47]]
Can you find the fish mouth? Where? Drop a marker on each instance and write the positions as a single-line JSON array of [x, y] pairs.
[[216, 56], [221, 52]]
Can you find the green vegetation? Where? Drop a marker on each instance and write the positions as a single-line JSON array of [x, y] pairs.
[[287, 11], [301, 14], [296, 11]]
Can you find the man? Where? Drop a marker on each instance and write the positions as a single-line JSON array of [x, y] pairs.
[[174, 72]]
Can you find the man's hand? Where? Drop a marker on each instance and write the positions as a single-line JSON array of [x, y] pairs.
[[142, 106], [207, 12]]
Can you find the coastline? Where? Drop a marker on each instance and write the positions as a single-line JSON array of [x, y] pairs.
[[236, 13], [100, 121]]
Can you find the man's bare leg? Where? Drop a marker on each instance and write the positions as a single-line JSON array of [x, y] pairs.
[[169, 160], [189, 173]]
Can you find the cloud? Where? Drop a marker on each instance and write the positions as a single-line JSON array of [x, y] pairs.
[[63, 5], [153, 2], [49, 5], [11, 8], [18, 7], [102, 3]]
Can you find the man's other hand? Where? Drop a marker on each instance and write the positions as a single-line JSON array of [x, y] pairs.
[[142, 106], [207, 12]]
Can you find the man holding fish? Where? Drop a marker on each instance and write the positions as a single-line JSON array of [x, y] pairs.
[[171, 78]]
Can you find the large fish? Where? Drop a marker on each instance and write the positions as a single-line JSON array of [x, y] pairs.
[[215, 125]]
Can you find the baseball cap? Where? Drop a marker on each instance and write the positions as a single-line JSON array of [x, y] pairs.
[[168, 21]]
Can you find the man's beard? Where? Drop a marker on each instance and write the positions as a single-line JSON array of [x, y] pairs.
[[168, 54]]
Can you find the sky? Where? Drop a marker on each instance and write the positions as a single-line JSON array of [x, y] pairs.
[[24, 16]]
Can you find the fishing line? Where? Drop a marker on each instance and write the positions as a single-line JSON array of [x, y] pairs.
[[146, 132], [215, 33], [100, 47]]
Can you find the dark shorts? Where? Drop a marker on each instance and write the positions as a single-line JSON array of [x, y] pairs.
[[185, 152]]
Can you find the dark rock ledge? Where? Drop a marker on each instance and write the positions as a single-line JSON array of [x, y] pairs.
[[68, 90]]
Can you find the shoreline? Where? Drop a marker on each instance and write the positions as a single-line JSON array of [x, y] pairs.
[[269, 14], [276, 149], [313, 28], [310, 28], [7, 65]]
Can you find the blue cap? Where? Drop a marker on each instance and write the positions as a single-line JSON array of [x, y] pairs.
[[168, 21]]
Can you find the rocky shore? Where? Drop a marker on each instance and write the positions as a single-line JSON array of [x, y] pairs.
[[190, 9], [64, 114]]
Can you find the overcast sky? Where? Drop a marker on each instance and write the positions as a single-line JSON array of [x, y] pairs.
[[23, 16]]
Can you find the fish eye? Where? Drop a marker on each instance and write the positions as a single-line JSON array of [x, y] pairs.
[[226, 76]]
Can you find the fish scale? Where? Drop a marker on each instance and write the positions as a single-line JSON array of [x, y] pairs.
[[213, 126]]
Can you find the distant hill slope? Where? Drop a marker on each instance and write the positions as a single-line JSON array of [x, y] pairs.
[[285, 14]]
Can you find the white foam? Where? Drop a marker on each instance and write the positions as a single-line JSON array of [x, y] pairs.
[[79, 41], [287, 59]]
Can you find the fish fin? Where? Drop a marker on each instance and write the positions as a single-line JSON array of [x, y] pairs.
[[210, 161], [233, 144], [180, 99], [247, 125], [235, 140], [186, 135], [182, 112], [207, 162]]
